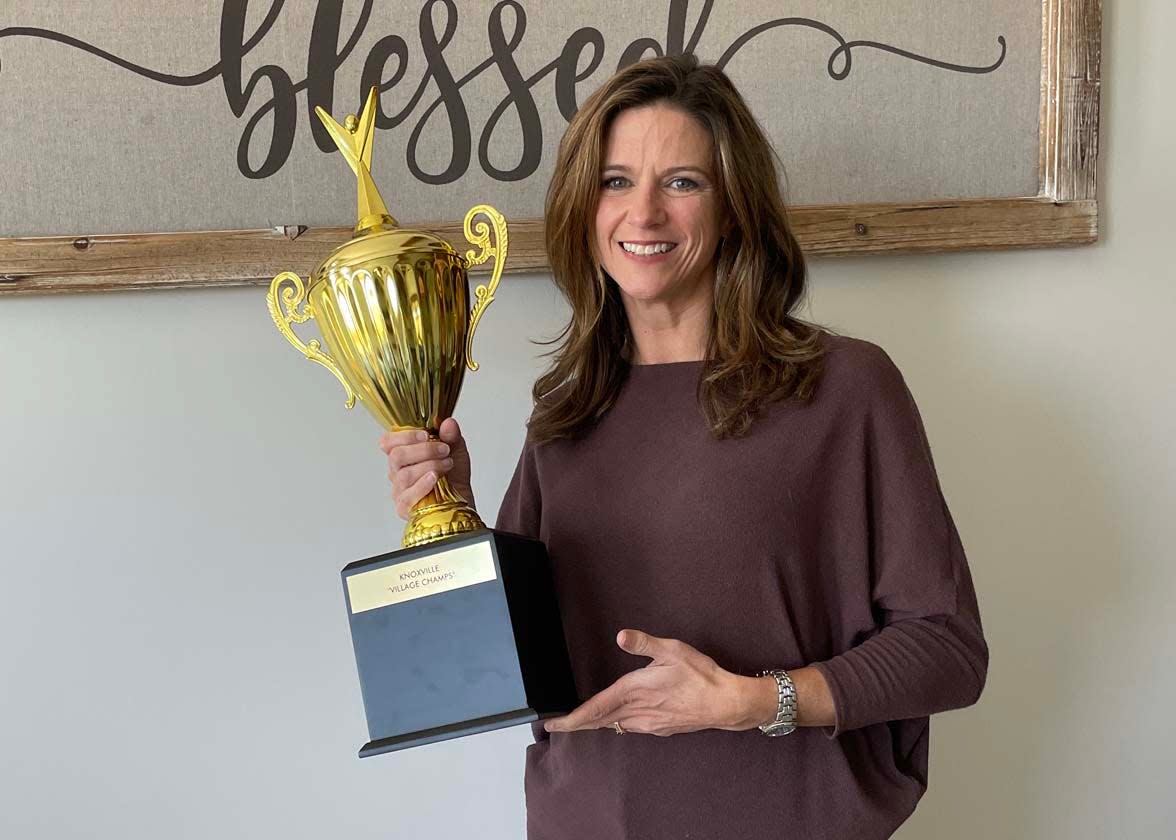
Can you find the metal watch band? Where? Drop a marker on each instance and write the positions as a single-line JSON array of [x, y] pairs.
[[785, 721]]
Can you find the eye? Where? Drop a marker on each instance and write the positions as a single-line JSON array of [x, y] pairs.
[[681, 184], [616, 182]]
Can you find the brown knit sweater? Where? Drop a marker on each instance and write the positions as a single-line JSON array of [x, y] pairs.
[[822, 537]]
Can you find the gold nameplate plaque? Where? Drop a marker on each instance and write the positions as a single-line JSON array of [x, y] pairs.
[[432, 575]]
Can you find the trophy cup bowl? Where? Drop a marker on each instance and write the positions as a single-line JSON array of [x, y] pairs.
[[393, 306], [459, 631]]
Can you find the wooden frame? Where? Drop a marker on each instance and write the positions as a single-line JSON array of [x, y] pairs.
[[1064, 211]]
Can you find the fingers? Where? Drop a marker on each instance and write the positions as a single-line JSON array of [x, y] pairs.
[[388, 440], [412, 456], [406, 455], [406, 498], [411, 483], [627, 692], [643, 644], [414, 462], [450, 432], [674, 693], [599, 710]]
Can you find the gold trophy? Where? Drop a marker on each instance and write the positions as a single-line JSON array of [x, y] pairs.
[[393, 306], [458, 632]]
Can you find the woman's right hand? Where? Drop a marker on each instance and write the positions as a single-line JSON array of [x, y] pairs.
[[415, 462]]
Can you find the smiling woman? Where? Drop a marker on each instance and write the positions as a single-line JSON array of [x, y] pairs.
[[746, 531], [658, 224], [667, 153]]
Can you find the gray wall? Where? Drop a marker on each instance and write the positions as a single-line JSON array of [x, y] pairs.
[[179, 491]]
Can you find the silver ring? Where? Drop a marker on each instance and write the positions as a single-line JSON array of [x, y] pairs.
[[617, 728]]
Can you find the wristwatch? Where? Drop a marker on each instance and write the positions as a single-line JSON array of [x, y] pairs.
[[785, 720]]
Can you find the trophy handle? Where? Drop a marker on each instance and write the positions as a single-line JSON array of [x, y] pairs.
[[292, 297], [479, 235]]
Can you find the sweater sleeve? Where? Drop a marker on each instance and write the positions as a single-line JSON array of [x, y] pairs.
[[521, 504], [927, 653]]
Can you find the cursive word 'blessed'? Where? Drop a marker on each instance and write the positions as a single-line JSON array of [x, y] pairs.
[[271, 91]]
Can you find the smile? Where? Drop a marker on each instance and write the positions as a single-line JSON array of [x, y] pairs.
[[648, 249]]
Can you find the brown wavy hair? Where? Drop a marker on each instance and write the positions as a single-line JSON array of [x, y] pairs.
[[757, 350]]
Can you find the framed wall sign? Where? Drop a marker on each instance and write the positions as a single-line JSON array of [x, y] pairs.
[[148, 146]]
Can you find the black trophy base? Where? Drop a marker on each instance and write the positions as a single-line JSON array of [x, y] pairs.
[[455, 638], [444, 733]]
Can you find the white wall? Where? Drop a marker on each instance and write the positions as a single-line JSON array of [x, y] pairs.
[[178, 492]]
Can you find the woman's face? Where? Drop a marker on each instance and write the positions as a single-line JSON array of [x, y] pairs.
[[658, 219]]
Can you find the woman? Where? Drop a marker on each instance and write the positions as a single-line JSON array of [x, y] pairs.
[[741, 510]]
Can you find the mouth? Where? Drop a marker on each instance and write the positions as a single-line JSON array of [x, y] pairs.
[[647, 248]]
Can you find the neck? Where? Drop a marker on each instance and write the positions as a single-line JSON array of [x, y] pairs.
[[669, 332]]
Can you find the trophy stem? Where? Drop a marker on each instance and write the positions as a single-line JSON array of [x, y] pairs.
[[440, 514]]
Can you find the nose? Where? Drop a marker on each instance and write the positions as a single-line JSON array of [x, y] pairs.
[[646, 209]]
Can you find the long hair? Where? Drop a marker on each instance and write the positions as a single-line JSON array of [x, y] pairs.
[[757, 350]]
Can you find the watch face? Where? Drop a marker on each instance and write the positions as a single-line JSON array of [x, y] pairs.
[[779, 729]]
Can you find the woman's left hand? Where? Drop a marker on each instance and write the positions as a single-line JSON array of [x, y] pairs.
[[681, 690]]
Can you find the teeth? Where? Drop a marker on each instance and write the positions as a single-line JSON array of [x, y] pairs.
[[647, 250]]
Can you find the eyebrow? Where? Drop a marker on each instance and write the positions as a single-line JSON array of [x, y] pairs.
[[673, 170]]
